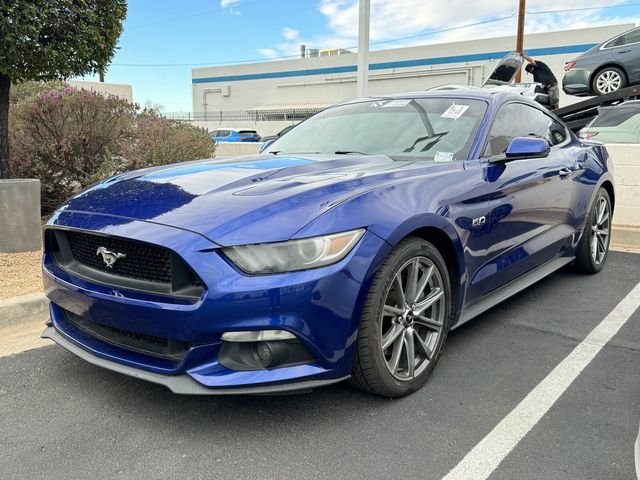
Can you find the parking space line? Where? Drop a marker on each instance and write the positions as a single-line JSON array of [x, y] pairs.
[[487, 455]]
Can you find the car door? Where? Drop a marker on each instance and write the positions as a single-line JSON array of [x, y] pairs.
[[628, 54], [528, 201]]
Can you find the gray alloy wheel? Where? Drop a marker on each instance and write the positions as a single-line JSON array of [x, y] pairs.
[[593, 248], [404, 321], [412, 318], [609, 80], [600, 230]]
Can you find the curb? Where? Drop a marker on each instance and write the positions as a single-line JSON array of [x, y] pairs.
[[24, 308], [625, 236]]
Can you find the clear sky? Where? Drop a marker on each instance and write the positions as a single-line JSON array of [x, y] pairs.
[[164, 39]]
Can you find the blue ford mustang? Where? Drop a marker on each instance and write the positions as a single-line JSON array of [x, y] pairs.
[[348, 249]]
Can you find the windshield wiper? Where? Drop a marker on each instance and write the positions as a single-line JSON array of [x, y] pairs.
[[278, 152], [436, 136], [349, 152]]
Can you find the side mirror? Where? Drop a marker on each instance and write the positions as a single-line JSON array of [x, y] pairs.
[[526, 147], [266, 145]]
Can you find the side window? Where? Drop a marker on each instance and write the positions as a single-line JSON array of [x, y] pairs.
[[215, 133], [521, 120], [616, 42], [632, 37]]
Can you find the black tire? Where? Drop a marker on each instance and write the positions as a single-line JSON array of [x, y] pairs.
[[585, 261], [602, 74], [370, 370]]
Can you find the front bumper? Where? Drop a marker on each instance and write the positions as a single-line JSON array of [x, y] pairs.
[[320, 307], [183, 384]]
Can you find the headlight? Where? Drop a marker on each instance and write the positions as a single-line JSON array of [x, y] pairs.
[[295, 254]]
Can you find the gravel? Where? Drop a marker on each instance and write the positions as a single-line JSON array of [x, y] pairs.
[[20, 274]]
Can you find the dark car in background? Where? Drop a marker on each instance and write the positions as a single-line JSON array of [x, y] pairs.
[[606, 68], [269, 139]]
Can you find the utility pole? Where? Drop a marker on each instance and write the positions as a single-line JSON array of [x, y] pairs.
[[363, 48], [520, 37]]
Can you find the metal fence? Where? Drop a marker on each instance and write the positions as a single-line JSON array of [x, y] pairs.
[[275, 115]]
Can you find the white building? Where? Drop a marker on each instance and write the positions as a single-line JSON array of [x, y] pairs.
[[320, 81], [120, 90]]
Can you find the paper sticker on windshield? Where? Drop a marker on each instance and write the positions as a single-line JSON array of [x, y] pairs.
[[455, 111], [397, 103], [443, 157]]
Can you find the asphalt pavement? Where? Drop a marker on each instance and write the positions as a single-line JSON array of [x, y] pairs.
[[62, 418]]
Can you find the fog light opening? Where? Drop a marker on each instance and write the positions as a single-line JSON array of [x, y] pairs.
[[268, 354]]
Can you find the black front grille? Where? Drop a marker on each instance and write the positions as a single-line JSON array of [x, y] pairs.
[[140, 266], [138, 342], [142, 261]]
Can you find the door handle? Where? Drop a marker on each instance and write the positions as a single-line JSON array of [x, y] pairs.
[[623, 51], [565, 172]]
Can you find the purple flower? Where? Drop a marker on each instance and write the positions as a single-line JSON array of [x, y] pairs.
[[68, 90]]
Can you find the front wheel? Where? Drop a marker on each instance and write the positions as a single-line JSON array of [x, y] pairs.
[[593, 248], [405, 321]]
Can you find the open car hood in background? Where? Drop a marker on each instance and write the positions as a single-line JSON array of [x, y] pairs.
[[505, 70]]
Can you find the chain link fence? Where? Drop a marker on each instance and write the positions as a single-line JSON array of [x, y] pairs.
[[275, 115]]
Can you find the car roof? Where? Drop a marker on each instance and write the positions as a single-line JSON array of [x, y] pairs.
[[453, 91]]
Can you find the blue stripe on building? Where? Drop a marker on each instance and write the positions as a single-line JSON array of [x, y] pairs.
[[419, 62]]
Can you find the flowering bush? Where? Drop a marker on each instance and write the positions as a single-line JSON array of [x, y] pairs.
[[70, 138], [159, 141], [33, 88]]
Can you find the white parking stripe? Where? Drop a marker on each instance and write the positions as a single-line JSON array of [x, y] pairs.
[[485, 457]]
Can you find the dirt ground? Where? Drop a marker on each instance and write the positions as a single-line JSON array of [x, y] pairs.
[[20, 274]]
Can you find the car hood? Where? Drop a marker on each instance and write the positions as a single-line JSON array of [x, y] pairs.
[[244, 200], [505, 71]]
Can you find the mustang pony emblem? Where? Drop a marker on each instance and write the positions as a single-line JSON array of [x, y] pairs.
[[109, 257]]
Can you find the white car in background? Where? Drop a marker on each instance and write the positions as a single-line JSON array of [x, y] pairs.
[[501, 79]]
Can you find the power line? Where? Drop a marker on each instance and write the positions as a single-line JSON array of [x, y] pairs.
[[581, 9], [380, 42]]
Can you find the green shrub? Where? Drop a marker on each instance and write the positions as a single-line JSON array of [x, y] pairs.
[[72, 138], [33, 88]]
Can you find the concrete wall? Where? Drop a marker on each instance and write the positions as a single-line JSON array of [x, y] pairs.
[[626, 164], [117, 89], [20, 215], [233, 149], [305, 81]]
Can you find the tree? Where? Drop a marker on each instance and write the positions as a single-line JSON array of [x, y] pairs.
[[53, 39]]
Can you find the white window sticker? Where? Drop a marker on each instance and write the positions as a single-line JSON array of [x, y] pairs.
[[443, 157], [397, 103], [455, 111]]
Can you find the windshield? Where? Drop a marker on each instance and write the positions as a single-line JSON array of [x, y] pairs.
[[439, 129]]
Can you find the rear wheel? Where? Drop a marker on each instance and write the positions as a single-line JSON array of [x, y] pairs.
[[405, 321], [609, 80], [593, 248]]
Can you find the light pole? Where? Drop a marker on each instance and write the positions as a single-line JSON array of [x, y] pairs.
[[363, 48], [520, 37]]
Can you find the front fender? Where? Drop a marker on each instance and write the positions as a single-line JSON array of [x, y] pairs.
[[391, 217]]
